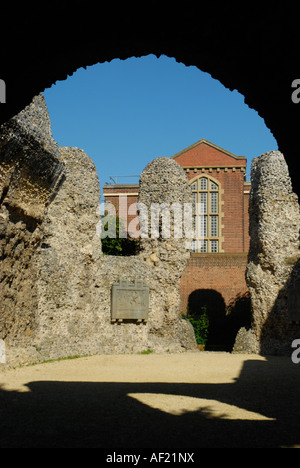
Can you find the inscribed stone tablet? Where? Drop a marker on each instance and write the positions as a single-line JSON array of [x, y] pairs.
[[129, 301]]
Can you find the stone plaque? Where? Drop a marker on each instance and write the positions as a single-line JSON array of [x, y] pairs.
[[294, 301], [129, 301]]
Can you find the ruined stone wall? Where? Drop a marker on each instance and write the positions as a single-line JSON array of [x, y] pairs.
[[55, 282], [30, 174], [74, 287], [273, 263]]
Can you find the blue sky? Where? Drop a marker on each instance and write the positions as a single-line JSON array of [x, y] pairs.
[[124, 113]]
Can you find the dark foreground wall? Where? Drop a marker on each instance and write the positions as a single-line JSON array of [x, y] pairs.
[[252, 49]]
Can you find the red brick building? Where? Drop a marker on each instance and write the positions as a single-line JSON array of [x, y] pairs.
[[123, 198], [215, 274]]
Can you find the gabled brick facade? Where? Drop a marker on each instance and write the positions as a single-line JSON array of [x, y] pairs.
[[206, 159]]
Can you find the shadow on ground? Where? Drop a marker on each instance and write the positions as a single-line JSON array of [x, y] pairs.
[[57, 414]]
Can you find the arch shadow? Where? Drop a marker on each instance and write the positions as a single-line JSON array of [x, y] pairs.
[[106, 414]]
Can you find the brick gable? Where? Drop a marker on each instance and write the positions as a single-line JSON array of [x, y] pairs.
[[206, 154]]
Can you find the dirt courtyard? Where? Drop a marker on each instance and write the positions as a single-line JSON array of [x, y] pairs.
[[185, 400]]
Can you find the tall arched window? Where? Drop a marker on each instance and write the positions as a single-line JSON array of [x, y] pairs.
[[206, 215]]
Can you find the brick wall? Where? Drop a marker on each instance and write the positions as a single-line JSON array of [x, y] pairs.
[[223, 273], [217, 282], [124, 199]]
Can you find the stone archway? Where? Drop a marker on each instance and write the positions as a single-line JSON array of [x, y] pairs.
[[242, 49], [252, 51]]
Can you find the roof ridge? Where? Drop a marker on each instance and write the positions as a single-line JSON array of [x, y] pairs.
[[213, 145]]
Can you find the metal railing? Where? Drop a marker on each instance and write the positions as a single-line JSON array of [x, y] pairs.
[[113, 180]]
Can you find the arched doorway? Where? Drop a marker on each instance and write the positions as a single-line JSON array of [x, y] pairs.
[[224, 320], [211, 303]]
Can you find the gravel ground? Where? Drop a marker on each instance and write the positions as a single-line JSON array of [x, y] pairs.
[[156, 401]]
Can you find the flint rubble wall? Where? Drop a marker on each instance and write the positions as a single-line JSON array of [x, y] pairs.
[[55, 281], [273, 270]]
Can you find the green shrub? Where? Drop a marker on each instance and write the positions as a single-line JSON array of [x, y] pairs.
[[200, 324], [114, 243]]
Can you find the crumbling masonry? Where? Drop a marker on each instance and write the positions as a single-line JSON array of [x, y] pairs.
[[273, 270], [55, 283]]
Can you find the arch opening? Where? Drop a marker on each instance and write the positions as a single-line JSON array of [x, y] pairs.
[[216, 320], [212, 304], [150, 106], [224, 321], [240, 56]]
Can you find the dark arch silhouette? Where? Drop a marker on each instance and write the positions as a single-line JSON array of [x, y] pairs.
[[212, 303], [252, 50], [224, 321], [238, 316]]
